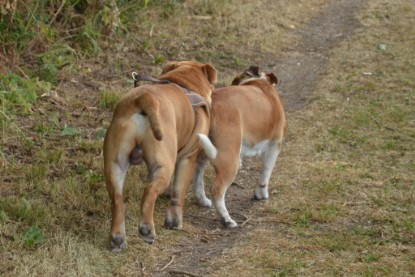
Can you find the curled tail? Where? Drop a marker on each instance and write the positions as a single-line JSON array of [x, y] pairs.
[[150, 107], [210, 150]]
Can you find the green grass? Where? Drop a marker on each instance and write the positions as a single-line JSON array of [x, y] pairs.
[[109, 99], [362, 151], [17, 95], [344, 186]]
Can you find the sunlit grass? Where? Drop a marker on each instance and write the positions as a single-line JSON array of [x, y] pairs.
[[109, 99], [355, 183], [342, 192]]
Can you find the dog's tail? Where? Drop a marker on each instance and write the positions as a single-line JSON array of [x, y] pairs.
[[210, 150], [150, 107]]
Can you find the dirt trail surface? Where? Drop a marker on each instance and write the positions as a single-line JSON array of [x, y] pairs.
[[299, 72]]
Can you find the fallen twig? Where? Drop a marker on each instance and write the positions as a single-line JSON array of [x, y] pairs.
[[56, 14], [238, 185], [241, 215], [55, 98], [184, 273], [169, 263], [383, 125], [246, 221]]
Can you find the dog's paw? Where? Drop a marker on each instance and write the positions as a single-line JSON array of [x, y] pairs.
[[172, 223], [117, 243], [258, 197], [261, 193], [228, 223], [145, 233], [205, 203]]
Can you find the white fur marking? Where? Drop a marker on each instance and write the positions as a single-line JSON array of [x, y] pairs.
[[120, 172], [208, 147], [199, 187], [221, 207], [269, 160], [141, 123], [223, 213], [255, 150]]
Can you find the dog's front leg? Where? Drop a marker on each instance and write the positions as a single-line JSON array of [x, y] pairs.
[[184, 172], [115, 175], [160, 181]]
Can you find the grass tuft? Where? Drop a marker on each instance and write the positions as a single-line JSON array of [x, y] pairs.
[[109, 99]]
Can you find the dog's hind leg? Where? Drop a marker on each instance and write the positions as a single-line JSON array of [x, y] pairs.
[[160, 180], [269, 159], [184, 172], [115, 175], [199, 183], [225, 174]]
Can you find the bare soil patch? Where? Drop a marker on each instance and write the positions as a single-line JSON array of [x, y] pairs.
[[299, 71], [301, 68]]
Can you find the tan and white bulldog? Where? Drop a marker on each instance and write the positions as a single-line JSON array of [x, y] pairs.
[[157, 124], [247, 119]]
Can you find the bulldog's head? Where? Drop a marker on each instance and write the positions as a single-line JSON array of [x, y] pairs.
[[198, 77], [254, 73]]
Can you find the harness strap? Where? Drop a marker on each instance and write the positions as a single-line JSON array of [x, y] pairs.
[[139, 77], [253, 78], [195, 99]]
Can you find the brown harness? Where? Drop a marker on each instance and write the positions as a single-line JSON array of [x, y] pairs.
[[195, 99]]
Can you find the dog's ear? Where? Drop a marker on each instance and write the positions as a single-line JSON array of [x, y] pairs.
[[169, 66], [211, 73], [236, 81], [272, 78], [253, 70]]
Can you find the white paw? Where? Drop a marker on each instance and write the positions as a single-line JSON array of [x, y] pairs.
[[205, 203], [230, 223], [261, 193]]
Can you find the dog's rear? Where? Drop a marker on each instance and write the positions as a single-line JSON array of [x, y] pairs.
[[247, 120], [158, 125], [135, 126], [148, 106]]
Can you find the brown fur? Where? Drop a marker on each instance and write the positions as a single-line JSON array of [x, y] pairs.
[[247, 119], [156, 124], [150, 108]]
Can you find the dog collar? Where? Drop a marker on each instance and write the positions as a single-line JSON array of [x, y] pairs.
[[254, 78]]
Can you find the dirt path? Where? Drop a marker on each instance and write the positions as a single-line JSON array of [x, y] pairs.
[[301, 69], [298, 73]]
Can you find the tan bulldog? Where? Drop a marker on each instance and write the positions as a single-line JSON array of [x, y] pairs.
[[159, 124], [247, 120]]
